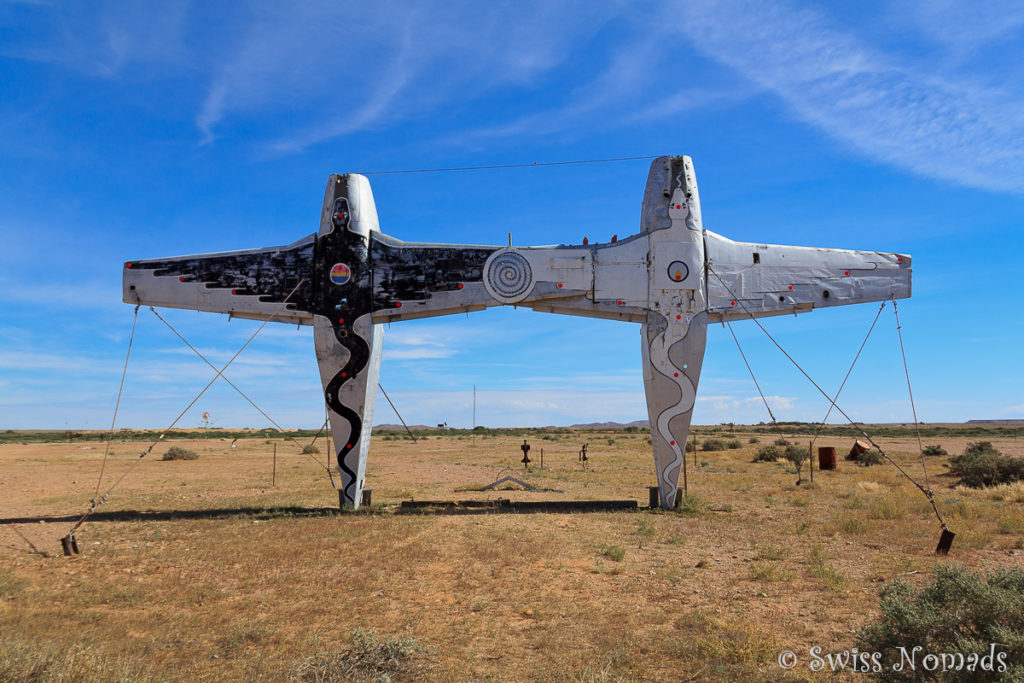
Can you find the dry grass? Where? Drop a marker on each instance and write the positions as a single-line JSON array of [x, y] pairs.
[[1013, 492], [367, 659], [749, 565]]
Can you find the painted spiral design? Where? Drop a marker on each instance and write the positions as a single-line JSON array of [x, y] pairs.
[[509, 275], [358, 357]]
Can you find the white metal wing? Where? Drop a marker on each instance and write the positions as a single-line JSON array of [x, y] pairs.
[[767, 279]]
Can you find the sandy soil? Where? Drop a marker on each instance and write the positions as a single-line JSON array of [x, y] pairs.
[[220, 591]]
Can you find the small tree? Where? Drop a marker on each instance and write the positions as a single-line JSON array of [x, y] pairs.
[[798, 456]]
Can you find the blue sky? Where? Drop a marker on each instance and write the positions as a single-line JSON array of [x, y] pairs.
[[140, 130]]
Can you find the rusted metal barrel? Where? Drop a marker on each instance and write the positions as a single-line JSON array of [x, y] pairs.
[[826, 458]]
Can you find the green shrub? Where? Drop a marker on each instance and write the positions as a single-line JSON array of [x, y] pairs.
[[713, 445], [781, 442], [179, 453], [959, 613], [982, 465], [754, 439], [691, 505], [869, 458], [733, 444], [934, 449], [691, 446], [310, 449], [979, 448], [769, 453]]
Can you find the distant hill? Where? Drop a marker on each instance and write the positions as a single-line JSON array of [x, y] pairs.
[[1014, 421], [400, 428], [612, 425]]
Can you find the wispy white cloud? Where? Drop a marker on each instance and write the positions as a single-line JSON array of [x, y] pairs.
[[730, 403], [962, 26], [421, 353], [639, 83], [537, 406], [889, 106], [64, 296], [344, 68], [416, 345], [103, 39], [36, 361]]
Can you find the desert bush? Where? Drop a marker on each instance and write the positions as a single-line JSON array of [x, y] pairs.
[[960, 613], [733, 444], [934, 449], [310, 449], [982, 465], [613, 552], [979, 448], [769, 453], [179, 453], [713, 445], [368, 658], [691, 446], [869, 458], [691, 505], [781, 442], [754, 439]]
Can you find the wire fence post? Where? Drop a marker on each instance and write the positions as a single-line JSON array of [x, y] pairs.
[[273, 481], [694, 449], [810, 458]]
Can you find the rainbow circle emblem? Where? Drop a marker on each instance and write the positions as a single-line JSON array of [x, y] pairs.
[[340, 274]]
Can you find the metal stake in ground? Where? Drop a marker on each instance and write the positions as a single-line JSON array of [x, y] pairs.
[[526, 454]]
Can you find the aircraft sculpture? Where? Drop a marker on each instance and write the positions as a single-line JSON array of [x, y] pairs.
[[673, 278]]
